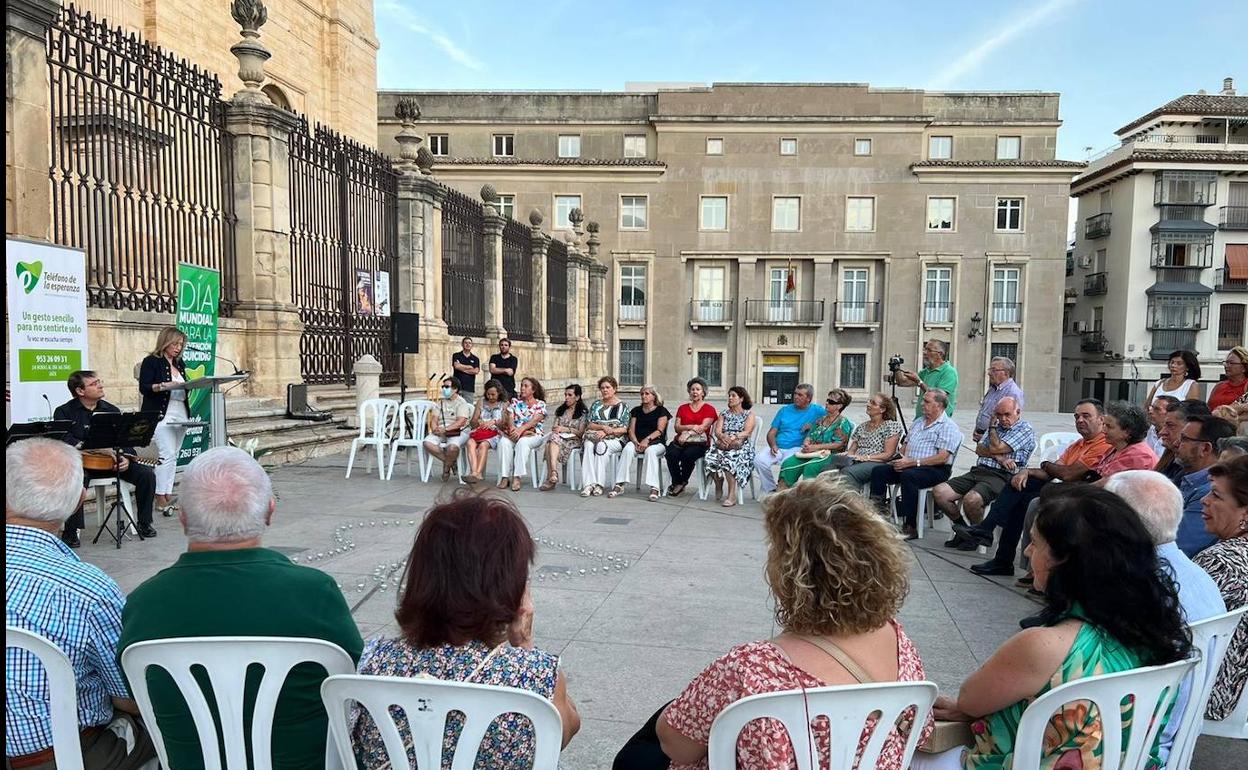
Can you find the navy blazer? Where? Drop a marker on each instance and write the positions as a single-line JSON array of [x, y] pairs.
[[155, 370]]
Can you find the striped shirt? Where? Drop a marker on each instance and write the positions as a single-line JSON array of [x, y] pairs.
[[994, 395], [926, 440], [1021, 438], [49, 591]]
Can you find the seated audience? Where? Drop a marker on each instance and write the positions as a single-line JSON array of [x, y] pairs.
[[839, 577], [49, 591], [465, 614], [1108, 607], [1011, 509], [228, 584], [1125, 428], [692, 436], [788, 432], [731, 456], [873, 443], [448, 426], [1197, 451], [1160, 507], [1002, 451], [488, 416], [604, 437], [1230, 448], [1156, 418], [827, 438], [1001, 385], [571, 419], [1226, 561], [1182, 381], [522, 432], [1235, 387], [926, 460], [647, 438]]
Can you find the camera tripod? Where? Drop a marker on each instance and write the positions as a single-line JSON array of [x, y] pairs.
[[905, 429]]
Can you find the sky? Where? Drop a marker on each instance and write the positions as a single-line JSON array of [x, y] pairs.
[[1111, 60]]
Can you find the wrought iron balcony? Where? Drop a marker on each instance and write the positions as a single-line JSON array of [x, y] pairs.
[[1169, 312], [797, 312], [1166, 341], [1095, 283], [1097, 226], [1092, 342], [938, 312], [1233, 217], [1185, 188], [1222, 281], [711, 312], [851, 313], [1007, 313]]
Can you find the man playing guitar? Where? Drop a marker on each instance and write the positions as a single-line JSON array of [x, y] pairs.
[[87, 390]]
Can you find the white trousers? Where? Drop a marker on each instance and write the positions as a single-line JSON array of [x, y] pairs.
[[594, 465], [514, 455], [168, 445], [651, 469], [764, 460], [440, 442]]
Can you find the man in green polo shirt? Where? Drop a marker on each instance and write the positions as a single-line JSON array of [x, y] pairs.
[[937, 374], [226, 584]]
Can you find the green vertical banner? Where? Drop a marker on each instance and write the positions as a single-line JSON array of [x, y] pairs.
[[199, 295]]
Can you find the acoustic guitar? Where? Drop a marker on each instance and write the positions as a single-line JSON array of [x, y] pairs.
[[105, 461]]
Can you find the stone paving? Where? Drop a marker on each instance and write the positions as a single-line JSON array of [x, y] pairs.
[[636, 597]]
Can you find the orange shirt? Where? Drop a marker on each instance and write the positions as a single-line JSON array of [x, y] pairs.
[[1087, 451]]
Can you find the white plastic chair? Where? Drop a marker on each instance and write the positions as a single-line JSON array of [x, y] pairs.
[[847, 707], [568, 470], [1236, 723], [102, 487], [427, 703], [1053, 444], [226, 660], [1152, 689], [1210, 637], [699, 470], [377, 413], [62, 686], [413, 427], [923, 512]]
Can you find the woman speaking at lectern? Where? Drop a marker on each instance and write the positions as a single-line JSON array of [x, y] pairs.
[[159, 377]]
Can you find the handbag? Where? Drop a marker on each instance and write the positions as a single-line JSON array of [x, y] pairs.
[[820, 454], [481, 434]]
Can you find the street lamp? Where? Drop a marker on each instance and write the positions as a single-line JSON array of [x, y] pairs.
[[977, 322]]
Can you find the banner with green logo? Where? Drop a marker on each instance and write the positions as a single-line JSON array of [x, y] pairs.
[[199, 295], [47, 304]]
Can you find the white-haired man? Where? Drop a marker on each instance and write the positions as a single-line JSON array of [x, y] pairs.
[[75, 606], [227, 584], [1159, 504]]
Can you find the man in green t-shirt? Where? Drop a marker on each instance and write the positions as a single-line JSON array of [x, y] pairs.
[[937, 374], [226, 584]]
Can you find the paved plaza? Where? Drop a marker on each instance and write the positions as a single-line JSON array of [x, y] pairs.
[[636, 597]]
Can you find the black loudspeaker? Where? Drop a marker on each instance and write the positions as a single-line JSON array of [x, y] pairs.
[[405, 333], [297, 407]]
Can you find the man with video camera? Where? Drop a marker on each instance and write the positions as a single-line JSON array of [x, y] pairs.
[[937, 374]]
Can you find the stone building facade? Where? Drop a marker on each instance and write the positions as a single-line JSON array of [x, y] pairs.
[[766, 234]]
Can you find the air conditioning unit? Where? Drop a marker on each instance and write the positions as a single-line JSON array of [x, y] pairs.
[[1081, 327], [1085, 260]]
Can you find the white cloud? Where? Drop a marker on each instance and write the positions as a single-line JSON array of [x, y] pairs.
[[972, 59], [410, 21]]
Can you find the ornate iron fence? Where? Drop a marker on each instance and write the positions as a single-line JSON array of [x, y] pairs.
[[463, 265], [557, 292], [141, 165], [343, 235], [517, 281]]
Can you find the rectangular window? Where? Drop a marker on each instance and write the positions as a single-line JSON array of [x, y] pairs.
[[504, 145], [781, 291], [938, 295], [853, 371], [634, 145], [632, 292], [859, 214], [1005, 350], [788, 146], [714, 212], [710, 305], [563, 208], [439, 145], [569, 145], [714, 146], [633, 212], [941, 214], [940, 147], [711, 368], [1098, 319], [507, 205], [1010, 215], [1101, 262], [854, 296], [1230, 326], [632, 363], [1009, 147], [1106, 208], [786, 214], [1006, 308], [862, 146]]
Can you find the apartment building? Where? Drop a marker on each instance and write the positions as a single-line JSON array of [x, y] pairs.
[[1160, 261], [770, 234]]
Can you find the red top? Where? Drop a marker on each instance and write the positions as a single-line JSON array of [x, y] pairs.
[[686, 416], [1225, 393]]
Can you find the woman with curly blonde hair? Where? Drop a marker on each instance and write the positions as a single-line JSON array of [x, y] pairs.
[[839, 576]]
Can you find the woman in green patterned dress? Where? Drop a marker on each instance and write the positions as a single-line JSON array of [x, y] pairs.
[[1110, 607], [827, 438]]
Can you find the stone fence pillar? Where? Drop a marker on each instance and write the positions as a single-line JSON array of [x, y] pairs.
[[492, 237], [27, 112], [539, 242], [597, 292], [367, 385]]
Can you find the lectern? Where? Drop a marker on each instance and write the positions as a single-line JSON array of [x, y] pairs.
[[216, 427]]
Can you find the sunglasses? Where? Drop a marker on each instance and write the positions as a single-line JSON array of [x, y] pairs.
[[833, 402]]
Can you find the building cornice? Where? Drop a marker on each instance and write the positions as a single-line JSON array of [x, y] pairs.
[[1152, 160]]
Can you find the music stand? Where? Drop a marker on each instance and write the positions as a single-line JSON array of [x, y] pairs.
[[115, 431], [56, 430]]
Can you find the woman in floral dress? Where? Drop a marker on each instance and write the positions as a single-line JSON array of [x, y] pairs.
[[731, 457], [571, 418]]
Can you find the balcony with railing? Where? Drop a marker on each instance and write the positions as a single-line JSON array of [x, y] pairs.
[[631, 314], [1095, 283], [1185, 188], [1166, 341], [711, 312], [851, 313], [1093, 342], [938, 313], [1097, 226], [1222, 281], [1233, 217], [797, 312], [1006, 313], [1178, 312]]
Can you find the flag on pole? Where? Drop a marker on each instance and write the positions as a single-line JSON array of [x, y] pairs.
[[790, 285]]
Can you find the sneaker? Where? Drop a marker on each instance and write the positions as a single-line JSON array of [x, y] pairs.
[[972, 534], [991, 567], [146, 530], [70, 538]]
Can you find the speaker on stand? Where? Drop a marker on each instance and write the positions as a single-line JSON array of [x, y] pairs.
[[404, 339]]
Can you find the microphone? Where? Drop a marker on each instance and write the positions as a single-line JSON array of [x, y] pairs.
[[231, 363], [49, 403]]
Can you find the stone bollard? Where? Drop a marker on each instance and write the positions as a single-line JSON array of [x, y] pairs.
[[367, 385]]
